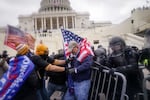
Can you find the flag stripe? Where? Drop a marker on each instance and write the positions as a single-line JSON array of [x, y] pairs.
[[85, 48], [15, 36]]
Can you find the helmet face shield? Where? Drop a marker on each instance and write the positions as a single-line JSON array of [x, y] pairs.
[[115, 47], [117, 44]]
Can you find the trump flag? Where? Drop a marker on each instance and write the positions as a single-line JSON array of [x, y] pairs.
[[85, 47], [19, 69]]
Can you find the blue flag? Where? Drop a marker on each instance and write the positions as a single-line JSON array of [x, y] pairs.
[[19, 69]]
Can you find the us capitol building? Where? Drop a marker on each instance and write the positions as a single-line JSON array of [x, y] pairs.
[[45, 25], [52, 15]]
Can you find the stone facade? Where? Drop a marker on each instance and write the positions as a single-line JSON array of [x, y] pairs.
[[52, 15]]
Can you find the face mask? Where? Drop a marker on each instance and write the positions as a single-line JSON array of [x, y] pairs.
[[44, 56]]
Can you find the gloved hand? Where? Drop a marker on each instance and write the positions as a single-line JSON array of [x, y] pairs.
[[70, 70], [124, 68], [100, 69], [69, 60], [112, 70]]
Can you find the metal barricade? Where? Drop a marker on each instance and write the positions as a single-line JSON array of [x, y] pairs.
[[145, 95], [145, 90], [107, 87]]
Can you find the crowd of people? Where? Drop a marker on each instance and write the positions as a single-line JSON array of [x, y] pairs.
[[71, 76]]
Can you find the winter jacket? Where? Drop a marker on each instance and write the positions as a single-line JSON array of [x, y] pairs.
[[83, 69]]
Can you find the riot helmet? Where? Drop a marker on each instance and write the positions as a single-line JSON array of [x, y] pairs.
[[100, 51], [117, 44], [147, 39], [100, 55], [4, 54], [99, 46]]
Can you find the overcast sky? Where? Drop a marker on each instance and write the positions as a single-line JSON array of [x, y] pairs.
[[100, 10]]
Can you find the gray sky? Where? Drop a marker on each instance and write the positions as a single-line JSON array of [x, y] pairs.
[[100, 10]]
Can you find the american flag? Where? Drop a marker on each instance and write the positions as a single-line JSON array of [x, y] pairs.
[[16, 36], [85, 47]]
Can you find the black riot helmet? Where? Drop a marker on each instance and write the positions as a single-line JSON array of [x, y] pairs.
[[147, 39], [100, 51], [4, 54], [117, 44]]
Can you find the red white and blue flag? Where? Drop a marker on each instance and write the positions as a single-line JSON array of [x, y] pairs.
[[16, 36], [85, 50], [85, 47], [19, 69]]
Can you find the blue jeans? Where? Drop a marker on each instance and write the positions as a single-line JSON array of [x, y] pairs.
[[81, 91], [53, 87]]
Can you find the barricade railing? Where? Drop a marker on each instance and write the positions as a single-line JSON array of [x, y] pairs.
[[106, 86], [145, 94], [145, 90]]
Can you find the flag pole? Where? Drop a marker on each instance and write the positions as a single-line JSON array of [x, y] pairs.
[[61, 28]]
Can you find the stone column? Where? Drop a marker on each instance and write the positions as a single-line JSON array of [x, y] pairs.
[[66, 22], [72, 21], [64, 26], [35, 24], [51, 23], [42, 23], [75, 22], [35, 27], [57, 23]]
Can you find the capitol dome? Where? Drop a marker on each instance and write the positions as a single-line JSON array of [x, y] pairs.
[[54, 5]]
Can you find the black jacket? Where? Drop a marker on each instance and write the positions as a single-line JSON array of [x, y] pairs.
[[58, 78], [127, 64], [28, 89]]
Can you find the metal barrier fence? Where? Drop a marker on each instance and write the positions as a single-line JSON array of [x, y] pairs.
[[145, 90], [106, 86], [145, 94]]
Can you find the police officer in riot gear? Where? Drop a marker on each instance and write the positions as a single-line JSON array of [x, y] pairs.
[[145, 52], [124, 59], [100, 55], [145, 56]]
